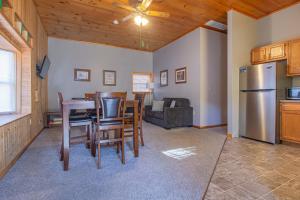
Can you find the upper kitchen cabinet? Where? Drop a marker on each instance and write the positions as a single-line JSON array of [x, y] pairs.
[[259, 55], [269, 53], [294, 58], [278, 51]]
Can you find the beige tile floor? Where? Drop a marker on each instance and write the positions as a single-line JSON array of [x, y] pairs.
[[249, 169]]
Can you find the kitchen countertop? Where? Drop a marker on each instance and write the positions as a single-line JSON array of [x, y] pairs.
[[290, 101]]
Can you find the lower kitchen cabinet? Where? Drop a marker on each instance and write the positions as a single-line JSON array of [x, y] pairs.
[[290, 121]]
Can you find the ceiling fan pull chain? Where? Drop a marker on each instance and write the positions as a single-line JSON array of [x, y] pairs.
[[141, 40]]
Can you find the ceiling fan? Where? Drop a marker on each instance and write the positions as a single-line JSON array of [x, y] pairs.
[[139, 11]]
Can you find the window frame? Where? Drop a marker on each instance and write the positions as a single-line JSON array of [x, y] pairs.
[[150, 74], [17, 55]]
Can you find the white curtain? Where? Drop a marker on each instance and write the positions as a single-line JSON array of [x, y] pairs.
[[8, 88]]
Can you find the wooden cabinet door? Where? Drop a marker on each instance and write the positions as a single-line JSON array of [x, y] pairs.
[[259, 55], [294, 58], [290, 126], [277, 51], [290, 118]]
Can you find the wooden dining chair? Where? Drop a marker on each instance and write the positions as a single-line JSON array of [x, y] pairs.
[[89, 96], [91, 112], [140, 97], [77, 121], [111, 118]]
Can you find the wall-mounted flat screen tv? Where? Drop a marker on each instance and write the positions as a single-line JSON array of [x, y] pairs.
[[44, 68]]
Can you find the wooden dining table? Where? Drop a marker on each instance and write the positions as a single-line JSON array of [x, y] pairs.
[[78, 104]]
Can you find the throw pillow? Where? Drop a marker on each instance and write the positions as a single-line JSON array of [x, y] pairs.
[[158, 106], [173, 103]]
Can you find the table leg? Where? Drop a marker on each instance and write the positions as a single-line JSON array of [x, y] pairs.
[[135, 129], [93, 140], [66, 137]]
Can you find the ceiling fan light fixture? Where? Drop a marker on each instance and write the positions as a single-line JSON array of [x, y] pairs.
[[116, 22], [140, 20]]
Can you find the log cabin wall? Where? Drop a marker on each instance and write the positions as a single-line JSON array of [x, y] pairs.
[[17, 135]]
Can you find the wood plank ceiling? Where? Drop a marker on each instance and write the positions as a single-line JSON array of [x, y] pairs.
[[91, 20]]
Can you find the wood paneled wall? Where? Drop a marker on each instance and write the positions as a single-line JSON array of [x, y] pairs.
[[27, 12], [16, 136]]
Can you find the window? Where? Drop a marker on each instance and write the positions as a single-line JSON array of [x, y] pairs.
[[8, 86], [142, 82]]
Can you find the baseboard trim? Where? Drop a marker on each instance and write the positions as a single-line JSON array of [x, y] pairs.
[[211, 126], [7, 168], [229, 136]]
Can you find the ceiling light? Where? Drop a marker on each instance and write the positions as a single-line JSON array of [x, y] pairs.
[[116, 22], [141, 21]]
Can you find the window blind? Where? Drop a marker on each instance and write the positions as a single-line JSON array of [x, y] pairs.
[[8, 80], [141, 82]]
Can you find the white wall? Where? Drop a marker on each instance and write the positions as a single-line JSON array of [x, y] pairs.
[[213, 79], [242, 38], [184, 52], [203, 52], [65, 55], [245, 33], [279, 26]]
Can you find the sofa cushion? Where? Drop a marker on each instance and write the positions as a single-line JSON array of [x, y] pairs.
[[173, 103], [158, 106], [156, 114], [180, 102]]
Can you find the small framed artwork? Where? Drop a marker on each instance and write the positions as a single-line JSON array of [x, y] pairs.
[[163, 78], [82, 75], [109, 78], [180, 75]]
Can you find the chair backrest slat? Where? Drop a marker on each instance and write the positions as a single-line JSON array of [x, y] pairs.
[[112, 104]]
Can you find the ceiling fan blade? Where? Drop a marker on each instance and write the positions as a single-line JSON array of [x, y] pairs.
[[144, 5], [127, 18], [124, 6], [157, 13]]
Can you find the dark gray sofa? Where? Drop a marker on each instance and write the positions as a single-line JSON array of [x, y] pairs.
[[180, 116]]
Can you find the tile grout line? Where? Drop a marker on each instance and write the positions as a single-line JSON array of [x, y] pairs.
[[279, 186]]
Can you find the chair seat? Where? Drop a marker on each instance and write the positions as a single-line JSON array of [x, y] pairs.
[[93, 117], [128, 115], [79, 118], [110, 123]]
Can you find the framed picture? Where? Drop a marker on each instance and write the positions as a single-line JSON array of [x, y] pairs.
[[180, 75], [163, 78], [109, 78], [82, 75]]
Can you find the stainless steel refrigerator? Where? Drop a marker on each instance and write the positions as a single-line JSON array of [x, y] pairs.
[[261, 88]]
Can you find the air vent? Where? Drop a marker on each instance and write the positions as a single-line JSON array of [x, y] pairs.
[[216, 25]]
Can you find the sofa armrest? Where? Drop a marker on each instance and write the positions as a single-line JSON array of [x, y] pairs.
[[147, 109]]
